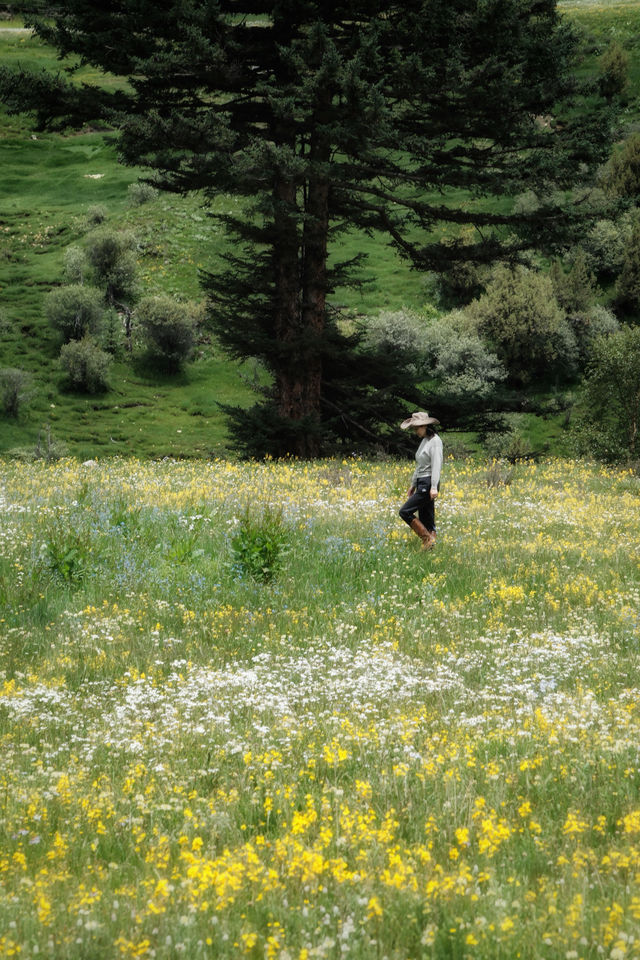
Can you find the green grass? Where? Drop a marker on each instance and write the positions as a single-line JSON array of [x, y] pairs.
[[374, 751]]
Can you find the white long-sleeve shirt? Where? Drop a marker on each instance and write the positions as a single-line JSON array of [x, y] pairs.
[[428, 460]]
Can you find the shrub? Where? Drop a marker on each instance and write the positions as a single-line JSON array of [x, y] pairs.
[[527, 202], [466, 369], [167, 328], [575, 291], [400, 332], [457, 449], [16, 390], [96, 214], [602, 322], [621, 177], [609, 414], [111, 255], [75, 265], [604, 246], [74, 311], [614, 71], [48, 447], [113, 338], [530, 202], [86, 365], [565, 351], [141, 192], [499, 474], [589, 326], [520, 317], [510, 446], [447, 349], [460, 282], [628, 283]]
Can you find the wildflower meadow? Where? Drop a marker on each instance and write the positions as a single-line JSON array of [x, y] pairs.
[[242, 714]]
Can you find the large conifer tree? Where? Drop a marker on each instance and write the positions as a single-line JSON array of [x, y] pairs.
[[325, 115]]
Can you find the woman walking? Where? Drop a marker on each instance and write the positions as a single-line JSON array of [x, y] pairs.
[[425, 483]]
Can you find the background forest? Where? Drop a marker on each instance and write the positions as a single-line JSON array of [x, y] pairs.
[[106, 346]]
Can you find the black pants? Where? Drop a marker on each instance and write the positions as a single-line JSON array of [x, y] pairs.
[[421, 502]]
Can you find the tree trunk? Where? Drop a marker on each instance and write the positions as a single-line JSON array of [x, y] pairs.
[[314, 290], [289, 372], [301, 291]]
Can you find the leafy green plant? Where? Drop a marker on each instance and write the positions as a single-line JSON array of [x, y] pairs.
[[185, 550], [65, 554], [125, 517], [258, 547]]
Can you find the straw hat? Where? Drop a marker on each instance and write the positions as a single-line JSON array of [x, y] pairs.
[[418, 419]]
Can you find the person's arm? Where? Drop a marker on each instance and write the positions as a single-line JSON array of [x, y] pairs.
[[414, 478], [436, 466]]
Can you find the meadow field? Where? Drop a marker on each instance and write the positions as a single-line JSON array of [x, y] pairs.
[[242, 714]]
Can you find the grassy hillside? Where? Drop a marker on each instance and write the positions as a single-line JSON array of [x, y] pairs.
[[49, 182]]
